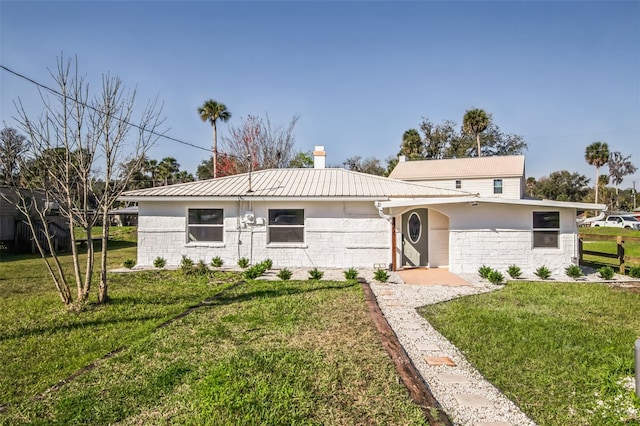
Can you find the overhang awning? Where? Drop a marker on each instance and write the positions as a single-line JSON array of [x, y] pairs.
[[408, 202]]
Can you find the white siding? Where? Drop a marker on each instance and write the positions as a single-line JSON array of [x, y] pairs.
[[511, 187], [438, 239], [337, 235]]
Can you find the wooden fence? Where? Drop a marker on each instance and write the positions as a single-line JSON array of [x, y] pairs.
[[620, 256]]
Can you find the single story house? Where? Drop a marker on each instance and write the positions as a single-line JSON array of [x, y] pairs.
[[459, 218]]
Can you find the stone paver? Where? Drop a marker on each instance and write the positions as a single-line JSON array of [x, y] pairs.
[[453, 378], [473, 400], [439, 360]]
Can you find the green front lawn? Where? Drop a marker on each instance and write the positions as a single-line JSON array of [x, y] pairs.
[[560, 351], [258, 353], [632, 248]]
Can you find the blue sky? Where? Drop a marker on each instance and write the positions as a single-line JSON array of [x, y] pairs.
[[561, 74]]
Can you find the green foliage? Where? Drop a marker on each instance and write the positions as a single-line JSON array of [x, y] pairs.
[[495, 277], [187, 266], [315, 274], [129, 263], [484, 271], [351, 274], [543, 272], [243, 262], [201, 268], [606, 272], [284, 274], [514, 272], [252, 272], [159, 262], [381, 275], [562, 186], [634, 271], [574, 271], [217, 262], [267, 263]]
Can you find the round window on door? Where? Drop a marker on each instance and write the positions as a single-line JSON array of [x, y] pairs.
[[414, 227]]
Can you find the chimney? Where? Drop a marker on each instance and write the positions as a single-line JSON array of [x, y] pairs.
[[319, 157], [401, 158]]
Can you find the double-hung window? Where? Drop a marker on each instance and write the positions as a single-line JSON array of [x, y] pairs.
[[497, 186], [206, 225], [286, 226], [546, 229]]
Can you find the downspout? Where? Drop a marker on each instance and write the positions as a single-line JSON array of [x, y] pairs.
[[392, 221]]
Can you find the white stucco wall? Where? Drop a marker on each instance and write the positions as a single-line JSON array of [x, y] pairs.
[[337, 235]]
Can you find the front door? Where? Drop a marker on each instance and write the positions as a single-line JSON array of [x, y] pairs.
[[414, 238]]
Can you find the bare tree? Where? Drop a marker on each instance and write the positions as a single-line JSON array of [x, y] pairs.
[[261, 145], [76, 141]]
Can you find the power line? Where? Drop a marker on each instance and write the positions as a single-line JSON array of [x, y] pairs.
[[55, 92]]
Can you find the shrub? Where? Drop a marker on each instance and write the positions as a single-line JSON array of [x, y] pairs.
[[159, 262], [495, 277], [381, 275], [514, 272], [606, 272], [543, 272], [634, 271], [186, 265], [284, 274], [243, 262], [129, 263], [484, 270], [201, 268], [217, 262], [573, 271], [253, 272], [315, 274], [351, 274], [268, 264]]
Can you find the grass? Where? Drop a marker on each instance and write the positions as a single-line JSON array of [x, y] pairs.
[[295, 352], [632, 248], [560, 351]]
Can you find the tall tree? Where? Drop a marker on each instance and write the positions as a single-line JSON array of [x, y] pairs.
[[474, 122], [168, 168], [561, 186], [597, 154], [368, 165], [12, 145], [213, 111], [411, 146], [619, 167]]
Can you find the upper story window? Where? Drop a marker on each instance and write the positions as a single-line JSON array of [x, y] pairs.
[[286, 226], [546, 229], [497, 186], [458, 184], [205, 225]]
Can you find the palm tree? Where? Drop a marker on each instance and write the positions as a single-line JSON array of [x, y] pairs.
[[213, 111], [475, 122], [597, 154]]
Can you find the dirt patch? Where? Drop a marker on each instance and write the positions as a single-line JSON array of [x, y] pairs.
[[629, 286]]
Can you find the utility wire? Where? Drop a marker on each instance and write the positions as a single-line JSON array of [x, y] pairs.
[[55, 92]]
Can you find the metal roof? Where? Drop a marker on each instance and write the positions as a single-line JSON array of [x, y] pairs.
[[302, 183], [489, 200], [455, 168]]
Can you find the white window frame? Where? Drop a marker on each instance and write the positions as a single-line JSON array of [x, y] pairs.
[[205, 225], [495, 186], [545, 230], [271, 226]]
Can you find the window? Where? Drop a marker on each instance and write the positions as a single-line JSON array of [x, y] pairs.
[[546, 228], [458, 184], [205, 225], [497, 186], [286, 226]]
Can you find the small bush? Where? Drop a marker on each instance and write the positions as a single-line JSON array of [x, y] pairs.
[[351, 274], [495, 277], [543, 272], [268, 263], [573, 271], [315, 274], [514, 272], [186, 265], [159, 262], [201, 268], [606, 272], [243, 262], [381, 275], [284, 274], [634, 271], [484, 271], [129, 263], [253, 272], [217, 262]]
